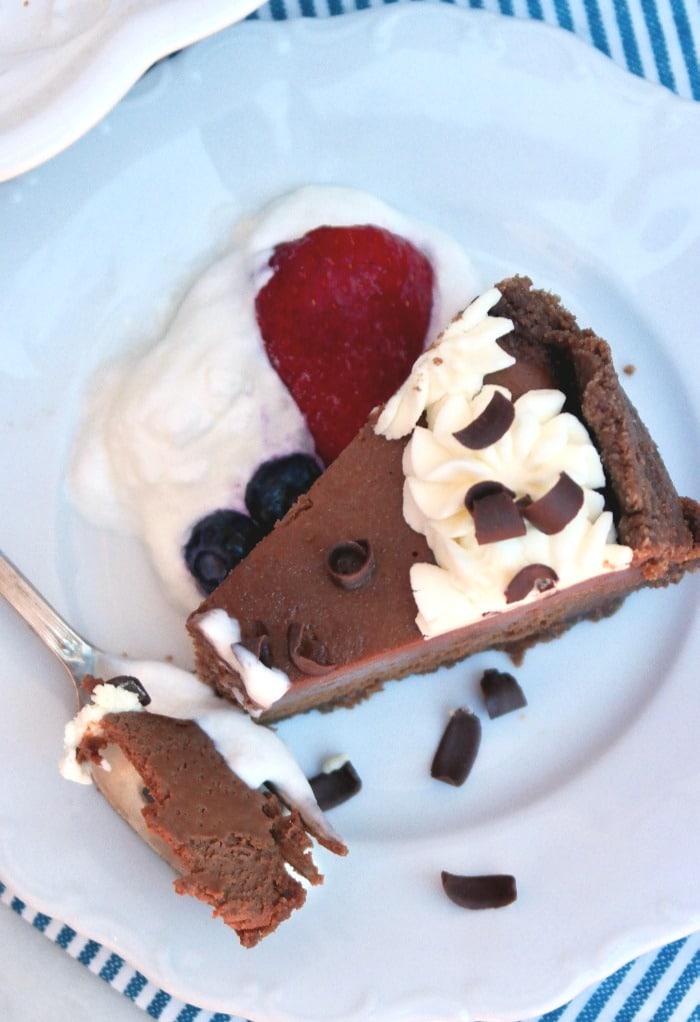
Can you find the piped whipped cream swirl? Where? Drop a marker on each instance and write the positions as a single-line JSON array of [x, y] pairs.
[[471, 579]]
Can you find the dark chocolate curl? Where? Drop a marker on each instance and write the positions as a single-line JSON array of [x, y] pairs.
[[532, 576], [496, 515], [259, 644], [557, 507], [456, 752], [351, 564], [306, 652], [494, 890], [502, 693], [488, 427], [333, 787]]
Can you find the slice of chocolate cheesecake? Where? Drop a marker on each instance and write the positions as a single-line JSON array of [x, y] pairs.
[[228, 843], [190, 789], [506, 491]]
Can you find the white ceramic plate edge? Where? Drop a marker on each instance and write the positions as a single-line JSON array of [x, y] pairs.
[[83, 79]]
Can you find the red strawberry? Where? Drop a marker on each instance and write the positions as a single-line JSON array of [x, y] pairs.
[[344, 317]]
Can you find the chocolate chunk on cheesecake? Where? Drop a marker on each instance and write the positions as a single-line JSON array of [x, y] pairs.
[[507, 490]]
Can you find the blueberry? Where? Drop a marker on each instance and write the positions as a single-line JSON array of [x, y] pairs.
[[276, 485], [216, 545]]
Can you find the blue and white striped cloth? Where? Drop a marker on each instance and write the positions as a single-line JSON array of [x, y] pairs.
[[662, 986], [658, 40]]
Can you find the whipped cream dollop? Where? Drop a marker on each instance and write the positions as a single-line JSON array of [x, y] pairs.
[[175, 432], [253, 752], [541, 445]]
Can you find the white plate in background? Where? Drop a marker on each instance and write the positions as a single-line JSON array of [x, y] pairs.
[[541, 157], [65, 63]]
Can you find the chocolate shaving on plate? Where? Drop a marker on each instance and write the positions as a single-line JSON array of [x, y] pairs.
[[532, 576], [502, 693], [335, 786], [485, 488], [488, 427], [259, 645], [306, 652], [556, 508], [495, 512], [457, 749], [495, 890]]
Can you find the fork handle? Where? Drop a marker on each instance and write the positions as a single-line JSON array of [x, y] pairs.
[[70, 647]]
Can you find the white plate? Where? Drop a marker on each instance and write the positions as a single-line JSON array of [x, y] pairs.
[[543, 158], [65, 63]]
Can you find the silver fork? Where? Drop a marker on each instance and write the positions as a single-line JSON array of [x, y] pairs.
[[78, 656]]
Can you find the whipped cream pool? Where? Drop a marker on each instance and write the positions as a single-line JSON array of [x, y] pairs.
[[176, 432]]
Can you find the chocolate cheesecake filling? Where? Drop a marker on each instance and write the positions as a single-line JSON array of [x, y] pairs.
[[458, 748], [527, 373]]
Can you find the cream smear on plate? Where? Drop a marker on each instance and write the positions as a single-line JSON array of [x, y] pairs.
[[176, 432]]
